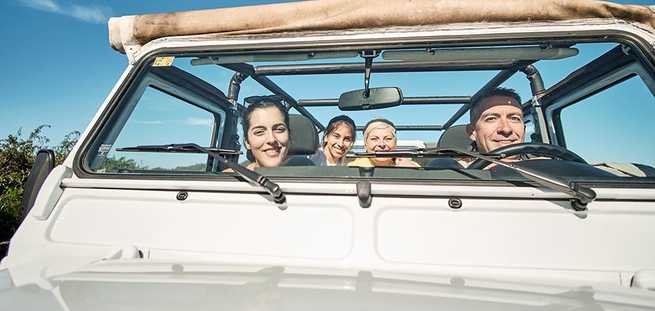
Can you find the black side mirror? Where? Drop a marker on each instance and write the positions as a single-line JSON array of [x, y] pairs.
[[43, 164]]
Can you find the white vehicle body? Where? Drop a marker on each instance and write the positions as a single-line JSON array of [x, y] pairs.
[[102, 243]]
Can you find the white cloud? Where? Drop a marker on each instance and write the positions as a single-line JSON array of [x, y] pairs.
[[188, 122], [198, 122], [149, 122], [43, 5], [89, 13]]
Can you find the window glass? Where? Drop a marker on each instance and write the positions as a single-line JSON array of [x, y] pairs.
[[160, 119], [198, 99], [613, 126]]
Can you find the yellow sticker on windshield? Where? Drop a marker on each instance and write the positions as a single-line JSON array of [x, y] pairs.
[[163, 61]]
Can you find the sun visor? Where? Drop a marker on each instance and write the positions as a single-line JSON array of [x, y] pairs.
[[135, 31]]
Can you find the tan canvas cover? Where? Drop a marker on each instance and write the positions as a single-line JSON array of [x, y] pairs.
[[346, 14]]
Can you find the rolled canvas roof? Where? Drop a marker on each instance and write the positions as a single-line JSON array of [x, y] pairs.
[[347, 14]]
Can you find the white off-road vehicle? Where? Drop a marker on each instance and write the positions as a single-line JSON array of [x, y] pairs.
[[154, 209]]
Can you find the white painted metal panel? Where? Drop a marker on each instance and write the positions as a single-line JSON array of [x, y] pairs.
[[517, 233], [245, 224]]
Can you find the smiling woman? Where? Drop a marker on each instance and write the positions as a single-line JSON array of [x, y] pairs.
[[339, 138], [266, 128], [380, 136]]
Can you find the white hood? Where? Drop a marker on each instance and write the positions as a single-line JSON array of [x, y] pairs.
[[168, 286]]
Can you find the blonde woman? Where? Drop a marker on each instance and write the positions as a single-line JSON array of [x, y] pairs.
[[380, 135]]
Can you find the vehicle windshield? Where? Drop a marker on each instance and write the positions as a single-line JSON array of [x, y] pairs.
[[411, 106]]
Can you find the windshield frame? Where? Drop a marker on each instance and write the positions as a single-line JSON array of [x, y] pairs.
[[159, 47]]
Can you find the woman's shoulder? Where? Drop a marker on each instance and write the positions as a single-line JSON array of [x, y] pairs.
[[404, 162], [363, 162], [318, 158]]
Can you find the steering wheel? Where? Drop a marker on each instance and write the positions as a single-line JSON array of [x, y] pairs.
[[546, 150]]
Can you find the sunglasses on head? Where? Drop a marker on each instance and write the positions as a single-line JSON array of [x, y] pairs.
[[267, 98]]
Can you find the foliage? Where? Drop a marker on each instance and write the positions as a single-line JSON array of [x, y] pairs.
[[113, 164], [199, 167], [17, 155]]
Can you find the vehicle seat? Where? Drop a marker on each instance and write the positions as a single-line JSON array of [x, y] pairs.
[[303, 140], [455, 137]]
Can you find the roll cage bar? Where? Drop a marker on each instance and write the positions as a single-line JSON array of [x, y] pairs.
[[260, 73]]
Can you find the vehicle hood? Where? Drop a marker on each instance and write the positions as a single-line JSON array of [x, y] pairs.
[[172, 286]]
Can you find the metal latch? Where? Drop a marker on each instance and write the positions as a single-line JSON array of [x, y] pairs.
[[364, 193]]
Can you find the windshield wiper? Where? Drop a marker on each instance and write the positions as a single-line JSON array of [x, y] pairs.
[[251, 176], [183, 148], [580, 196]]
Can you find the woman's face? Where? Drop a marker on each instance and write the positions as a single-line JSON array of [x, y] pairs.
[[381, 139], [338, 141], [268, 137]]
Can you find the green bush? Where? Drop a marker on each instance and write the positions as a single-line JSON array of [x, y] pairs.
[[17, 155]]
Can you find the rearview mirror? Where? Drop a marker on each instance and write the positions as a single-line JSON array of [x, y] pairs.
[[377, 98]]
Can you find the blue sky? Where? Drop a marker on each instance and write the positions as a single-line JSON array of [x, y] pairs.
[[58, 65]]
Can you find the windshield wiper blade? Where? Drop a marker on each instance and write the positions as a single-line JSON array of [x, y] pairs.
[[580, 196], [251, 176], [185, 148]]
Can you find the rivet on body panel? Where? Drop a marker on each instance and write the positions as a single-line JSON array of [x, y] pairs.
[[455, 203], [182, 195]]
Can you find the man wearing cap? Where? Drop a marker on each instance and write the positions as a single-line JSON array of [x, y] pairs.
[[380, 135], [497, 120]]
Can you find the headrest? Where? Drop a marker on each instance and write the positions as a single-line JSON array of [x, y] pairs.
[[304, 137], [455, 137]]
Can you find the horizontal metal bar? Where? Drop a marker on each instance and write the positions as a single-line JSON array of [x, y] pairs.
[[326, 102], [436, 100], [339, 68], [413, 128], [480, 54], [431, 100]]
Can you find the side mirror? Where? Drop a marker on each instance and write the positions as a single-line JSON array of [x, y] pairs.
[[377, 98], [43, 164]]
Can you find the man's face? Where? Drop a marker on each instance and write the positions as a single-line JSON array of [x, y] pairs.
[[500, 124]]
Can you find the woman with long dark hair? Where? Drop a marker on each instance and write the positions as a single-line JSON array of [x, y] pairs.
[[338, 139], [266, 131]]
